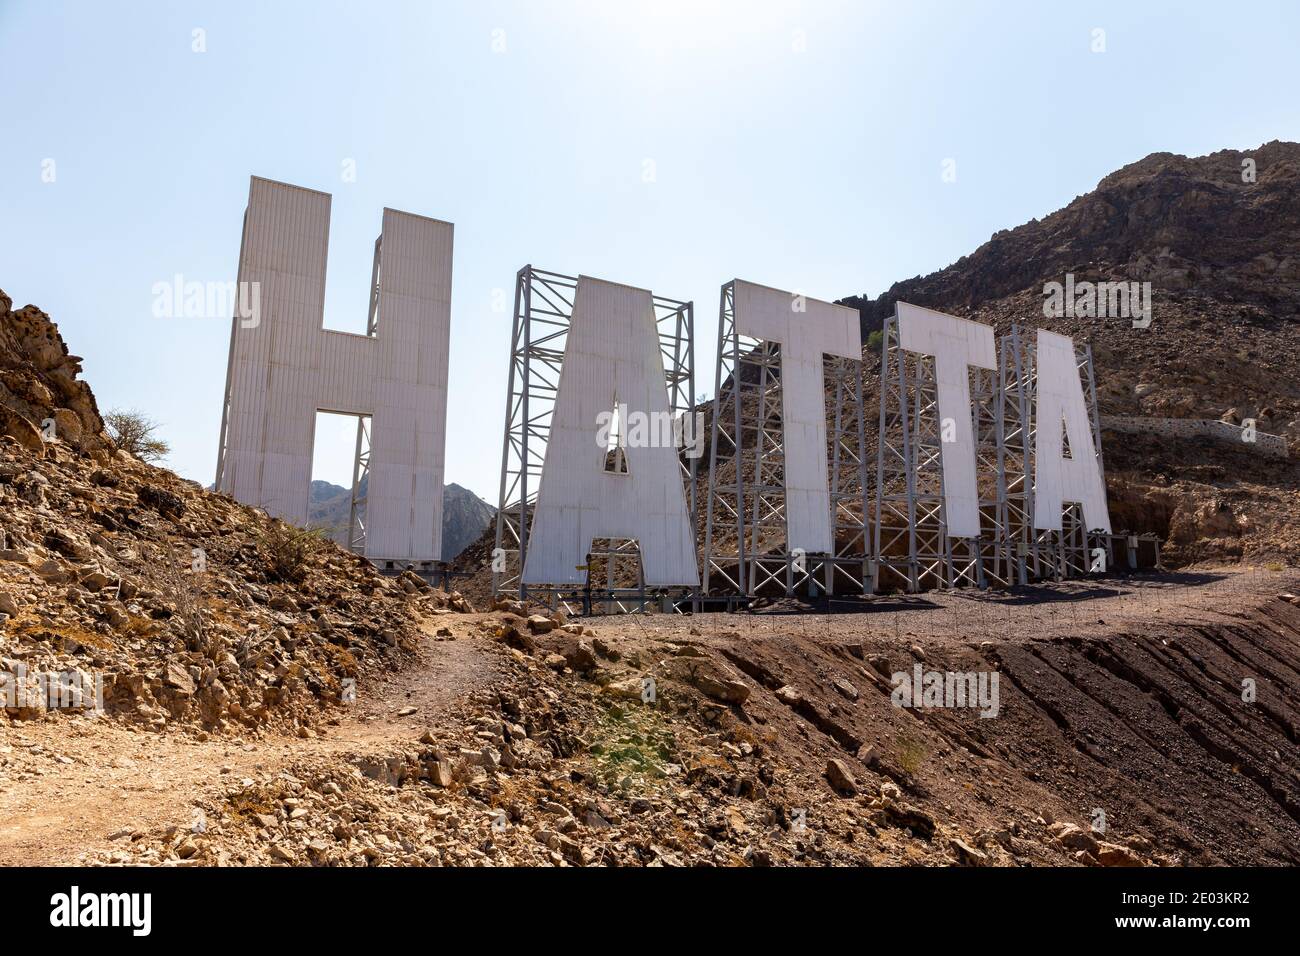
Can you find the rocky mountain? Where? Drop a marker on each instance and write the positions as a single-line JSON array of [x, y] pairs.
[[1224, 226], [465, 516], [1217, 238]]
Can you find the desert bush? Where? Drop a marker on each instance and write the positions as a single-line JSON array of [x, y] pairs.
[[911, 755], [133, 432], [287, 550]]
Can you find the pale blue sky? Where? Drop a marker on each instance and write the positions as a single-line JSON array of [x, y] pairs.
[[795, 144]]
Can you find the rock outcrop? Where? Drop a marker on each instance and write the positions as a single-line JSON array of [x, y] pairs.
[[40, 394]]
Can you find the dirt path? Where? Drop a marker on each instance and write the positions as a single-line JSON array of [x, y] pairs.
[[68, 783]]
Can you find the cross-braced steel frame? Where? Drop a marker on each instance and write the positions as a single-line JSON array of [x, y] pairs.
[[361, 457], [360, 471], [543, 310], [746, 547], [912, 549], [1073, 551]]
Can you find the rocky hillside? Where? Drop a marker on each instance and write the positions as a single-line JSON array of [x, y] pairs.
[[464, 515], [1183, 224], [1222, 256], [184, 605]]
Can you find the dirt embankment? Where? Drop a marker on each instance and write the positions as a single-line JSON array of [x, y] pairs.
[[1122, 736]]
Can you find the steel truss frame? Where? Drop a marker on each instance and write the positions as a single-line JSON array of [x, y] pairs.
[[746, 549], [543, 309], [361, 458], [360, 469], [912, 550]]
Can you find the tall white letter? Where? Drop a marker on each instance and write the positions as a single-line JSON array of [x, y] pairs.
[[957, 345], [285, 367], [1058, 479], [612, 357], [806, 329]]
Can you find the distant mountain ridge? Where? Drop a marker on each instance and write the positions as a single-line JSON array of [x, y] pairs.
[[1225, 225], [464, 515]]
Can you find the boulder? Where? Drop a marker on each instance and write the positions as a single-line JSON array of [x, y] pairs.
[[840, 778]]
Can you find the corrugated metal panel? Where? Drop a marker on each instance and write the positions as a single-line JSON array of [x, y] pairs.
[[612, 356], [1077, 478], [287, 367], [821, 328]]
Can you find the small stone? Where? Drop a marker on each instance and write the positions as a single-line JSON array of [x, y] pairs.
[[724, 689], [1073, 837], [540, 624], [580, 656], [841, 778], [95, 581], [789, 695], [488, 758], [1112, 854], [440, 773], [178, 676], [967, 854], [629, 689]]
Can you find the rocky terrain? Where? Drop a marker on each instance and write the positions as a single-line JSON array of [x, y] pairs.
[[230, 690], [1122, 738], [187, 606], [465, 516]]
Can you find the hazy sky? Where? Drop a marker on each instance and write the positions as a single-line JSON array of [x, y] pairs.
[[670, 144]]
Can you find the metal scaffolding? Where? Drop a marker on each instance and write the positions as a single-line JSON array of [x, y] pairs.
[[746, 552], [912, 550], [1015, 388], [361, 458], [360, 472], [543, 308]]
